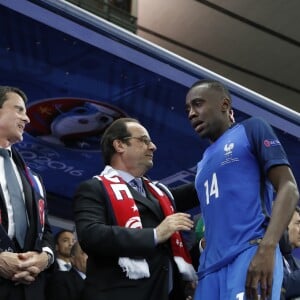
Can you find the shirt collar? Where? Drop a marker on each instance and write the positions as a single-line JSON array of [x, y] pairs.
[[9, 150], [81, 274], [125, 176]]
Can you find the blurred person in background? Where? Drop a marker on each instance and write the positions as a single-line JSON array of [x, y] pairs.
[[69, 285], [289, 242]]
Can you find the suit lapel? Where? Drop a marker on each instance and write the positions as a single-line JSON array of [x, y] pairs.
[[27, 194], [29, 208], [3, 213]]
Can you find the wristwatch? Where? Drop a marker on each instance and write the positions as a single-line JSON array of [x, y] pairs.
[[50, 260]]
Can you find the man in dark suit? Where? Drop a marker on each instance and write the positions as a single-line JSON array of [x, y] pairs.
[[68, 285], [130, 230], [289, 242], [22, 261], [64, 241]]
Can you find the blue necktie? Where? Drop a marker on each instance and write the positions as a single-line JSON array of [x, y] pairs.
[[16, 198], [68, 267], [137, 185]]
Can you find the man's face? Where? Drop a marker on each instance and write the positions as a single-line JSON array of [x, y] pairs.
[[138, 150], [13, 119], [205, 109], [294, 230], [64, 244]]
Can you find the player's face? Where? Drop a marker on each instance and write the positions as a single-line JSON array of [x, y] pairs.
[[138, 150], [294, 230], [204, 107]]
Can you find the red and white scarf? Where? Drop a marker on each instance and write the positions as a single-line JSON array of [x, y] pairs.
[[127, 215]]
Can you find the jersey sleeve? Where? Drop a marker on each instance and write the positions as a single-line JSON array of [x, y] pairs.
[[265, 144]]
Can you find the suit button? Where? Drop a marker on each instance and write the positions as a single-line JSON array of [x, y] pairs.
[[166, 269]]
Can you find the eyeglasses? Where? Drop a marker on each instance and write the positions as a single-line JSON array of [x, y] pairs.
[[144, 139]]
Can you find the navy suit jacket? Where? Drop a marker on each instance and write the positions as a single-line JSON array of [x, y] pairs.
[[291, 280], [291, 275]]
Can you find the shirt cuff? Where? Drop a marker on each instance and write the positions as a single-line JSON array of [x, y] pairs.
[[49, 251], [201, 248], [155, 236]]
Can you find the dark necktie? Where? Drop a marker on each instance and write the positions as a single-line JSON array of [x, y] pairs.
[[137, 185], [68, 267], [16, 198]]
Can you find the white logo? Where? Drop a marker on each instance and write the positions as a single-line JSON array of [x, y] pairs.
[[228, 148], [134, 222], [118, 188], [179, 243]]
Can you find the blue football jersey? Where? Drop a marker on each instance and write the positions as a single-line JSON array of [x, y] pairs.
[[235, 194]]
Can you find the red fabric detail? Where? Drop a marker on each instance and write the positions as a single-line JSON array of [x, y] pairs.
[[125, 210], [126, 216], [177, 244], [41, 203]]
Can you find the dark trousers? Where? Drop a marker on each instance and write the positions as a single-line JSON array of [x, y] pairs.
[[10, 291]]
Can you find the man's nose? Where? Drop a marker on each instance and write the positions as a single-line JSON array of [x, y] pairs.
[[26, 119], [191, 113], [153, 146]]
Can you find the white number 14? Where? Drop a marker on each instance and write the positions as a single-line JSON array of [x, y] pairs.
[[212, 189]]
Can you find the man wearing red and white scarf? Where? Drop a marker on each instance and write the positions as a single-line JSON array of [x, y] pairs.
[[131, 231]]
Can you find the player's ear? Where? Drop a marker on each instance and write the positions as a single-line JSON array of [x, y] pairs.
[[225, 104]]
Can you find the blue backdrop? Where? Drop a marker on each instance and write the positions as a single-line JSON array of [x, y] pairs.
[[79, 76]]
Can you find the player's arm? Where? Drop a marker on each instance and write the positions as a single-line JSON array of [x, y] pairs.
[[260, 272], [287, 196]]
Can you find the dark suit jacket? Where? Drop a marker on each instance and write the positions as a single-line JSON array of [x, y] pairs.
[[32, 242], [65, 285], [291, 278], [105, 243], [291, 281]]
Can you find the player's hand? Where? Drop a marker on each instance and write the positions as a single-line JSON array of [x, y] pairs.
[[260, 274]]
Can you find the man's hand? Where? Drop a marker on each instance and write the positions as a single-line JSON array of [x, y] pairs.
[[31, 264], [171, 224], [9, 264], [260, 273], [189, 290]]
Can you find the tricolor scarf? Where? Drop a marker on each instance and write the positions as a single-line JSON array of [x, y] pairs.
[[127, 215]]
